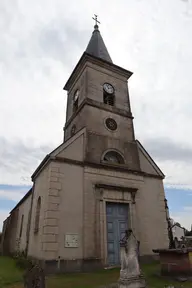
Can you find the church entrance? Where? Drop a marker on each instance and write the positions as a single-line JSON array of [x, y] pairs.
[[117, 223]]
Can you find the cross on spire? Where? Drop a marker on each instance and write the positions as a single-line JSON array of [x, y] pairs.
[[96, 21]]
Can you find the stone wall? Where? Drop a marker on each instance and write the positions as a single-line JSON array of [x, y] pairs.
[[50, 232], [147, 215], [90, 84], [151, 215], [97, 76], [80, 84], [9, 243], [95, 239], [5, 249], [41, 184], [97, 145], [23, 210]]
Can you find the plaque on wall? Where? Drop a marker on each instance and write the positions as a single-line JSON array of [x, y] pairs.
[[71, 240], [111, 124]]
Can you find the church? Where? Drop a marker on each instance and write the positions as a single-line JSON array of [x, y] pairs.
[[99, 182]]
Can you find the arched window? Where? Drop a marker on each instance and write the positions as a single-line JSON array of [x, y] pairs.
[[37, 216], [21, 227], [113, 157]]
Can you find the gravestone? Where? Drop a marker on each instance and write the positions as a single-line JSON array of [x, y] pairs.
[[130, 273], [34, 277]]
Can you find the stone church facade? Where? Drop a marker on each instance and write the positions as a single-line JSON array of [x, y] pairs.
[[99, 182]]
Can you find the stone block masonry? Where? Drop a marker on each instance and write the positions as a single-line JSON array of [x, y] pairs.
[[51, 221], [175, 262]]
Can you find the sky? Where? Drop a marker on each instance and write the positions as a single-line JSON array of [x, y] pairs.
[[40, 44]]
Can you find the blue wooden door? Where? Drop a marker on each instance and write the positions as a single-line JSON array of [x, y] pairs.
[[117, 223]]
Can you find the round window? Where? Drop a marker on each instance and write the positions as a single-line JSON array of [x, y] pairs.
[[111, 124]]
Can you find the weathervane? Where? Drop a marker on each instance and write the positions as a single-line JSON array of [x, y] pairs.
[[96, 21]]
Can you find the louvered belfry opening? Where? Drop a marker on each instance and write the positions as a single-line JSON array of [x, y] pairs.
[[108, 99]]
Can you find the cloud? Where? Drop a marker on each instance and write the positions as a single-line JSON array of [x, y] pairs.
[[174, 158], [13, 193], [38, 50], [62, 45], [10, 195], [19, 159], [184, 218], [164, 149], [178, 186], [180, 205], [188, 208]]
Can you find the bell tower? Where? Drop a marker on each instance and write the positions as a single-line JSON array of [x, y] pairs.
[[98, 100]]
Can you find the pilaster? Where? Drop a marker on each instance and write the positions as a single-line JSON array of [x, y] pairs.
[[50, 239]]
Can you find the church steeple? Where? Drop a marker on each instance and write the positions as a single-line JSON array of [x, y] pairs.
[[96, 46], [97, 84]]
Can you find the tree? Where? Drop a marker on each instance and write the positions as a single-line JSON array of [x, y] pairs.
[[188, 233]]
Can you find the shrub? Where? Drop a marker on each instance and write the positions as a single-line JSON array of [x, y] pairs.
[[21, 260]]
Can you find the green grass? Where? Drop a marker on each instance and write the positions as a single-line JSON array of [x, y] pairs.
[[9, 273], [154, 281], [11, 277]]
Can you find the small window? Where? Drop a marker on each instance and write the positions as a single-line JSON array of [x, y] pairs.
[[76, 101], [37, 216], [113, 157], [21, 227]]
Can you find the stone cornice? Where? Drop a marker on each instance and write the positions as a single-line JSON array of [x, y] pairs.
[[131, 190], [87, 57], [100, 106], [116, 187], [104, 166]]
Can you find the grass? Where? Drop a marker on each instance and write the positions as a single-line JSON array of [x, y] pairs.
[[11, 277], [9, 273]]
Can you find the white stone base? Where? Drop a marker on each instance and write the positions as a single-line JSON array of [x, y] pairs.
[[132, 282]]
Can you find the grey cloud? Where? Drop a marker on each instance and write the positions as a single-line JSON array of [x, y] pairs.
[[165, 149], [59, 40], [17, 157], [62, 41]]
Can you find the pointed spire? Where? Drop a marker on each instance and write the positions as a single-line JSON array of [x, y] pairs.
[[96, 46]]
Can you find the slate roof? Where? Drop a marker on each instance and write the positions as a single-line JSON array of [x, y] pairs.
[[96, 46]]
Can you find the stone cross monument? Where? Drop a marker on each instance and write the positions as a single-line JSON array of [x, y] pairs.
[[130, 273]]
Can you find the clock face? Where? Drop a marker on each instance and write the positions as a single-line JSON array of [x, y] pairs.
[[108, 88]]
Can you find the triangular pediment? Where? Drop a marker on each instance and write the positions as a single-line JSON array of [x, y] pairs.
[[147, 164]]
